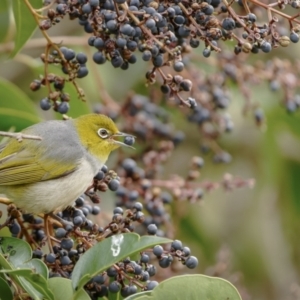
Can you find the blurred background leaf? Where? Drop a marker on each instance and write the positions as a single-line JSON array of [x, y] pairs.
[[17, 110], [4, 19], [25, 24]]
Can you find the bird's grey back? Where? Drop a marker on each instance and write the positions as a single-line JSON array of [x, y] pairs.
[[59, 140]]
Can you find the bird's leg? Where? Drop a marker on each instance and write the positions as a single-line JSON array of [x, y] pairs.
[[47, 231], [24, 230], [15, 214], [5, 223]]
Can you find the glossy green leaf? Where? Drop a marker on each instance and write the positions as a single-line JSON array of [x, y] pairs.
[[195, 287], [17, 110], [16, 253], [19, 272], [4, 264], [36, 280], [25, 22], [62, 289], [16, 250], [81, 295], [6, 293], [109, 251], [4, 19], [39, 267]]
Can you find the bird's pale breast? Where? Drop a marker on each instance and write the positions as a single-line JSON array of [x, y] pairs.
[[55, 194]]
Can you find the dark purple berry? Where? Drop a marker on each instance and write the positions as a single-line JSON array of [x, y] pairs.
[[294, 37], [129, 140], [186, 251], [45, 104], [60, 233], [67, 243], [82, 71], [206, 52], [86, 8], [114, 287], [100, 279], [158, 250], [100, 175], [37, 253], [266, 47], [63, 107], [178, 66], [164, 262], [104, 169], [112, 25], [228, 24], [14, 228], [65, 260], [81, 58], [69, 54], [120, 42], [95, 210], [50, 258], [99, 58], [117, 61], [118, 210], [94, 3], [152, 229], [99, 43], [176, 245], [191, 262], [114, 184], [145, 258], [146, 56], [78, 220], [151, 285]]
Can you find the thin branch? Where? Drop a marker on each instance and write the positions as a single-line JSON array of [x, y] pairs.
[[20, 136]]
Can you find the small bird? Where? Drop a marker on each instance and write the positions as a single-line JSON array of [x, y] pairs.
[[47, 175]]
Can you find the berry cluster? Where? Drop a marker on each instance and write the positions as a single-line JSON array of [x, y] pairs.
[[148, 120], [139, 184], [105, 179], [164, 33], [73, 65], [127, 276]]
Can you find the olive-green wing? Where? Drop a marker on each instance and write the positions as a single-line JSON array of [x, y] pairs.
[[2, 146], [24, 167]]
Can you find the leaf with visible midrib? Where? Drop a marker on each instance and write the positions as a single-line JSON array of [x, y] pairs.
[[107, 252], [25, 22]]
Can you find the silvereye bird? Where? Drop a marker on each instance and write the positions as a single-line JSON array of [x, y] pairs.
[[43, 176]]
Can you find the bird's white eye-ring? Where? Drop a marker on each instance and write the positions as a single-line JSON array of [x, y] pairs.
[[102, 132]]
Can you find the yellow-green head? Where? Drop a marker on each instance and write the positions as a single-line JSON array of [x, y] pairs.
[[97, 134]]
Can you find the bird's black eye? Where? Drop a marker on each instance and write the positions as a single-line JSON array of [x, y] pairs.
[[103, 133]]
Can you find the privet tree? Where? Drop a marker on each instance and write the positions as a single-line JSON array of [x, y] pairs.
[[187, 56]]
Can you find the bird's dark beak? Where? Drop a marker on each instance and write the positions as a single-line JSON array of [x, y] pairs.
[[124, 135]]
